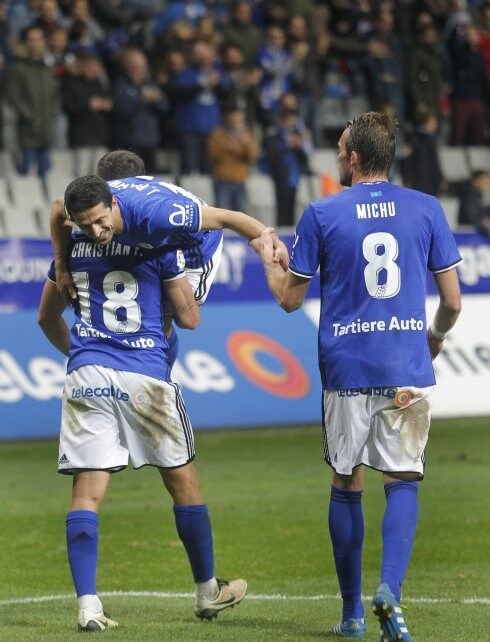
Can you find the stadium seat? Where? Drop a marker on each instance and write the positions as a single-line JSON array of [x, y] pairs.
[[479, 158], [28, 213], [200, 185], [261, 198], [450, 205], [454, 164], [309, 189], [324, 161]]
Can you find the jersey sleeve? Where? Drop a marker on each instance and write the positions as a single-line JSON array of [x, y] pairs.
[[443, 252], [171, 265], [307, 246], [157, 215]]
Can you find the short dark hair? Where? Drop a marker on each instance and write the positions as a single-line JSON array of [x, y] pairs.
[[120, 163], [84, 193], [373, 136]]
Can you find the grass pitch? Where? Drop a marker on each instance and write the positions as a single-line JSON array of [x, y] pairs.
[[268, 493]]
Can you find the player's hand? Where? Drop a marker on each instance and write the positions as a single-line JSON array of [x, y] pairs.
[[65, 286], [264, 245], [435, 345], [281, 254]]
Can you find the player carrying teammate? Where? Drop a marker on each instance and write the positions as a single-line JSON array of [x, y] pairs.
[[120, 402]]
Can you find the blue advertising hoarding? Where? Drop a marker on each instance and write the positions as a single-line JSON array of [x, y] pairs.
[[248, 364]]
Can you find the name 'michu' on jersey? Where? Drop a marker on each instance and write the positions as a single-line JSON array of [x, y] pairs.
[[120, 306], [156, 214], [374, 243]]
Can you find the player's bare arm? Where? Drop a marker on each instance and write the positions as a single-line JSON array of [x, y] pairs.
[[215, 218], [50, 319], [448, 310], [180, 300], [61, 229]]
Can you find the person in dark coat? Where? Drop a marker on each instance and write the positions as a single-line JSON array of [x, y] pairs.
[[34, 94], [87, 102], [472, 209]]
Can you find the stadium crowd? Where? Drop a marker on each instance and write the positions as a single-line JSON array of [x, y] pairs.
[[148, 75]]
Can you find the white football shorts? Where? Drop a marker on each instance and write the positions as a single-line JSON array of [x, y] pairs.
[[383, 428], [202, 278], [109, 416]]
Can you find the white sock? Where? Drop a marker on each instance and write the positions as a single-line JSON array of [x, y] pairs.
[[209, 589], [90, 602]]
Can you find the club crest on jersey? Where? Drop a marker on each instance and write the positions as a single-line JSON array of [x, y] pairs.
[[180, 259]]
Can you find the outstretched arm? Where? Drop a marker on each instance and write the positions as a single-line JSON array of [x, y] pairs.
[[216, 218], [61, 229], [50, 318], [448, 310]]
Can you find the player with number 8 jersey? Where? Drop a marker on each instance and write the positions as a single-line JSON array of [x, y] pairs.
[[373, 244]]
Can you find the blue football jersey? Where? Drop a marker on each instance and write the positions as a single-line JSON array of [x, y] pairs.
[[120, 306], [156, 214], [374, 244]]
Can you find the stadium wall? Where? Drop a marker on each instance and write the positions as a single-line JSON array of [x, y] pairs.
[[248, 364]]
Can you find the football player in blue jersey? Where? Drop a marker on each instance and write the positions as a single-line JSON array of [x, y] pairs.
[[119, 403], [373, 244]]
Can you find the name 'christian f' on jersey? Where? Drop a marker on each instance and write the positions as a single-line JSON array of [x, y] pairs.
[[156, 214], [120, 307], [374, 243]]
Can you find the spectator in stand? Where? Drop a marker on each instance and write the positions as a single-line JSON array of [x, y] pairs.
[[206, 31], [472, 210], [5, 56], [85, 32], [426, 72], [50, 17], [33, 93], [287, 148], [87, 102], [232, 152], [421, 169], [484, 36], [138, 107], [307, 82], [195, 94], [384, 67], [242, 32], [189, 10], [239, 82], [276, 66], [471, 90], [179, 36], [62, 59]]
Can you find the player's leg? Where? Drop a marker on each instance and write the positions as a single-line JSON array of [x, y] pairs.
[[158, 432], [402, 427], [346, 426], [346, 525], [82, 538], [90, 449], [194, 529]]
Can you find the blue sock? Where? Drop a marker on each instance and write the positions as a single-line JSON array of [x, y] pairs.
[[82, 536], [194, 529], [398, 530], [173, 348], [346, 523]]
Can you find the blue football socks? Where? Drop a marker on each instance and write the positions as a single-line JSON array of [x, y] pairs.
[[398, 530], [173, 348], [82, 535], [194, 529], [346, 524]]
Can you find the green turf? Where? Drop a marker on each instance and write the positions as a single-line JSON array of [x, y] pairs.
[[268, 495]]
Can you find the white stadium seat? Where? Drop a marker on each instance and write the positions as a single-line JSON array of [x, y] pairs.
[[261, 198], [200, 185], [450, 205], [454, 164], [28, 213], [479, 158]]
